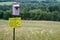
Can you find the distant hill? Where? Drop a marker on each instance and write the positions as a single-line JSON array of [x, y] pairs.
[[24, 0]]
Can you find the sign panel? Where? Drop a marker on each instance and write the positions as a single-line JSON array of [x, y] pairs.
[[14, 22], [15, 9]]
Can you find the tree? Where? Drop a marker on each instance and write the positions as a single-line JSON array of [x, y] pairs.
[[1, 14]]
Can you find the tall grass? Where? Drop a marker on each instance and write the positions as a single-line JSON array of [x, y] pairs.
[[31, 30]]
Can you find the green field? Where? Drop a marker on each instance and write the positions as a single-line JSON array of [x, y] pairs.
[[31, 30], [5, 3]]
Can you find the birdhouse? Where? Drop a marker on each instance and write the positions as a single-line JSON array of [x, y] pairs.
[[15, 9]]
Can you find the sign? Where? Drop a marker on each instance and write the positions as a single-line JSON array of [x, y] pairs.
[[14, 22], [15, 9]]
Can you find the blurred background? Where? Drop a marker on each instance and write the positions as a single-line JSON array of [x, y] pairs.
[[32, 9], [40, 20]]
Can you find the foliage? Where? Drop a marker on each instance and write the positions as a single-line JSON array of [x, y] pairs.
[[7, 14], [32, 11], [1, 14]]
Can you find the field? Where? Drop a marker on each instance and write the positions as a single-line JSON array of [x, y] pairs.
[[5, 3], [31, 30]]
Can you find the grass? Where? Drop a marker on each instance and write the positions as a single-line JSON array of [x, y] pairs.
[[31, 30], [5, 3]]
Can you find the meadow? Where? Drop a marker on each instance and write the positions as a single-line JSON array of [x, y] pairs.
[[31, 30], [5, 3]]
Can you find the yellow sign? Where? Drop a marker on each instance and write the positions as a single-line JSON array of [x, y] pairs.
[[14, 22]]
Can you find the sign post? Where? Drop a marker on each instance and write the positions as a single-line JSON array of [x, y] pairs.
[[15, 21]]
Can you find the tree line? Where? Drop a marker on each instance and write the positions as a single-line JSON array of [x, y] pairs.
[[28, 13]]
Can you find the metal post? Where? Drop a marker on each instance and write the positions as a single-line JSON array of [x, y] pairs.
[[14, 30], [13, 33]]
